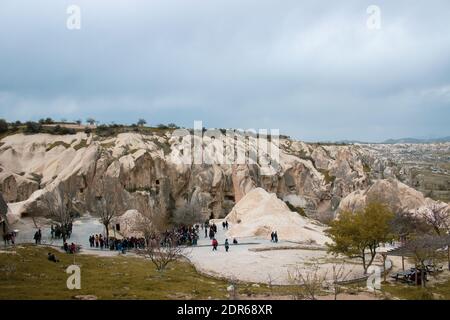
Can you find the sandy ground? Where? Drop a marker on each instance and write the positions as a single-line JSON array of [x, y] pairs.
[[244, 264], [253, 260], [81, 230]]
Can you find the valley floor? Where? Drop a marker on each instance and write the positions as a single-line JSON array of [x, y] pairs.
[[25, 273], [253, 260], [259, 267]]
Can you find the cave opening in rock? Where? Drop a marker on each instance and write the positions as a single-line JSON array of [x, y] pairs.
[[229, 197]]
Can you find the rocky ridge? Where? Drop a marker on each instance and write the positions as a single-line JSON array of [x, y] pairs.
[[313, 179]]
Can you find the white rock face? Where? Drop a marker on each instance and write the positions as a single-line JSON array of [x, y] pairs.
[[129, 223], [398, 196], [314, 177], [259, 213]]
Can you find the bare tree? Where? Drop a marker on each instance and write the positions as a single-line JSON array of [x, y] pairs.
[[404, 225], [308, 282], [232, 289], [438, 216], [161, 247], [339, 275], [188, 214], [59, 206], [110, 204], [426, 248], [270, 281]]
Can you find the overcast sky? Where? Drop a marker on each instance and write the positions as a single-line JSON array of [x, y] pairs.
[[312, 69]]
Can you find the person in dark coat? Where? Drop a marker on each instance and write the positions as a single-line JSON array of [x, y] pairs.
[[52, 257], [227, 245], [36, 237]]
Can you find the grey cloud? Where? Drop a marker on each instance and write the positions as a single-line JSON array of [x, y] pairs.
[[310, 68]]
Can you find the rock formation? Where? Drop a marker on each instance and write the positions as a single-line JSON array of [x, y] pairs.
[[145, 167], [259, 213]]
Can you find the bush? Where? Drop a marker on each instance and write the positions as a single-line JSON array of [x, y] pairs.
[[104, 131], [293, 208], [3, 126], [62, 130], [33, 127], [162, 126], [46, 121], [326, 174]]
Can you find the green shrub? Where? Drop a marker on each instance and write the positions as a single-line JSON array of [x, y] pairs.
[[328, 178], [299, 210], [33, 127], [56, 144], [3, 126], [82, 144], [62, 130]]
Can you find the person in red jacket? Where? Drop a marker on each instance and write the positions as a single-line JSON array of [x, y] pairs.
[[215, 244]]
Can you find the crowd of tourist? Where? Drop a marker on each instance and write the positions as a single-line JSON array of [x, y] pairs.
[[180, 236], [9, 238], [57, 231], [212, 230], [71, 248], [100, 242]]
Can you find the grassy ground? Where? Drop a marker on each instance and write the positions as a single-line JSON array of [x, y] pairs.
[[438, 288], [25, 273], [435, 291]]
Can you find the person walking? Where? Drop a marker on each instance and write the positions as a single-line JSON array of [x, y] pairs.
[[275, 236], [227, 245], [215, 244], [206, 231], [36, 237]]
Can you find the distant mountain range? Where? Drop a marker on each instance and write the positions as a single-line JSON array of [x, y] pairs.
[[415, 140], [401, 140]]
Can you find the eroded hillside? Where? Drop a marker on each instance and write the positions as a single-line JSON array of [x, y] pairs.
[[313, 178]]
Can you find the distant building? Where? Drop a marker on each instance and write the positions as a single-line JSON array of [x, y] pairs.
[[3, 219]]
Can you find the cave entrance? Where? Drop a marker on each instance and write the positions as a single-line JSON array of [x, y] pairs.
[[230, 198]]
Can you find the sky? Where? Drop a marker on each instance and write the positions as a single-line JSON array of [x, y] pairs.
[[315, 70]]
